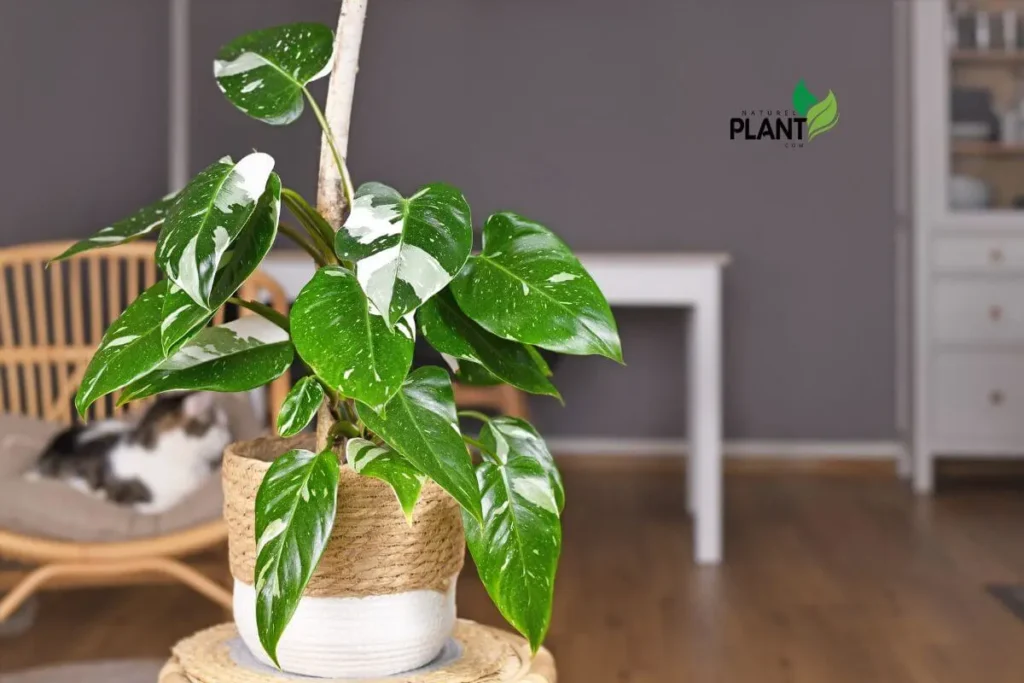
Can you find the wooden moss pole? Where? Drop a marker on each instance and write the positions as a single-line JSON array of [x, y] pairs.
[[347, 40]]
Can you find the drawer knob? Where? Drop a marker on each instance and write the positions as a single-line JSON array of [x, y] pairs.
[[996, 255], [996, 397], [995, 313]]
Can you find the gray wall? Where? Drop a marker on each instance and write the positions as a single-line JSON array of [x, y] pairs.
[[609, 122], [83, 125]]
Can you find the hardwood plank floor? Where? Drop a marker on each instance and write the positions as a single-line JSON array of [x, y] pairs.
[[827, 579]]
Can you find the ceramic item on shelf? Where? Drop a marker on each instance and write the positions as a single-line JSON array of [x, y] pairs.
[[967, 193]]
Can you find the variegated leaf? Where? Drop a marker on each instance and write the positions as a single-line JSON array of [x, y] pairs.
[[405, 250], [206, 220], [263, 73], [295, 509], [238, 356], [340, 335], [300, 406], [527, 286], [130, 348], [135, 226], [388, 465], [452, 333], [420, 423], [516, 549], [182, 314]]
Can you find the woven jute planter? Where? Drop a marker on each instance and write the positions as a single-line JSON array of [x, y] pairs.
[[382, 599]]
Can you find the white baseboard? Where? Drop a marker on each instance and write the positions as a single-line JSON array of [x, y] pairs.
[[796, 449]]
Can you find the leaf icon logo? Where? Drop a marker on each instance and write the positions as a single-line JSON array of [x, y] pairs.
[[822, 116]]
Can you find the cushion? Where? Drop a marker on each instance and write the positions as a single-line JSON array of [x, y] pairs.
[[53, 510], [127, 671]]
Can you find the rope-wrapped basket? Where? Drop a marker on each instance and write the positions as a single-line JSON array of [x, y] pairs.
[[382, 598]]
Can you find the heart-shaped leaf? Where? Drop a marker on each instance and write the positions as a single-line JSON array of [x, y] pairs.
[[295, 509], [206, 220], [516, 548], [420, 423], [300, 406], [263, 73], [405, 250], [238, 356], [135, 226], [527, 286], [451, 332], [339, 334], [386, 464], [181, 313], [130, 348]]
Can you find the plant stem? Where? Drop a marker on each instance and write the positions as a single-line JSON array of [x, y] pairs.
[[296, 236], [318, 228], [477, 445], [346, 180], [267, 312], [476, 415]]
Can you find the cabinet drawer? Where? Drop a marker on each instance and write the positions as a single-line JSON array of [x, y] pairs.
[[989, 254], [978, 310], [978, 401]]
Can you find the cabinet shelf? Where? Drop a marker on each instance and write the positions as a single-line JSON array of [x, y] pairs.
[[987, 148], [992, 57]]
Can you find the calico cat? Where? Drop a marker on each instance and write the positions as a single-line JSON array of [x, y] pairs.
[[150, 465]]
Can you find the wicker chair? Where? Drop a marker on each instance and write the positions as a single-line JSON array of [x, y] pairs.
[[51, 320]]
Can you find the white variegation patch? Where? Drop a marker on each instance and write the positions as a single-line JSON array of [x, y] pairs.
[[380, 272], [246, 183], [561, 277], [256, 328], [368, 223], [273, 530], [247, 61]]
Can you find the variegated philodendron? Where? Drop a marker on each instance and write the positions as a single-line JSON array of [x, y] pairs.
[[397, 269]]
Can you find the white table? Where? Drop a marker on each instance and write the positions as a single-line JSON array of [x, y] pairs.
[[674, 280]]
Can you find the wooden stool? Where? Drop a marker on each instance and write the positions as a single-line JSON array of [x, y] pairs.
[[478, 654], [504, 399]]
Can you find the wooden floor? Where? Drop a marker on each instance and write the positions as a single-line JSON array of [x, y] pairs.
[[828, 579]]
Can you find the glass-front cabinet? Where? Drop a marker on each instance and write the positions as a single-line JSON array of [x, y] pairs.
[[984, 41]]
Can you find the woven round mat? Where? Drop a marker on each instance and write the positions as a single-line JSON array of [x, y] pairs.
[[480, 654], [373, 549]]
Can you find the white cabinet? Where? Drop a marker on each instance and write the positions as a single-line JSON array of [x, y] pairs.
[[962, 119]]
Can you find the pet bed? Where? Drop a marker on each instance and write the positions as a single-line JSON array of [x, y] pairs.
[[52, 320]]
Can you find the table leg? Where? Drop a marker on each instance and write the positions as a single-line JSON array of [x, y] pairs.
[[705, 427]]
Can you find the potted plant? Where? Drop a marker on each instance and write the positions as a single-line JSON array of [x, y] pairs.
[[345, 551]]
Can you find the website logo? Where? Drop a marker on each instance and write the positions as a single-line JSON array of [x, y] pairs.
[[822, 115], [808, 118]]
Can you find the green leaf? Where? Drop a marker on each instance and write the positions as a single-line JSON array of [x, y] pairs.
[[295, 509], [471, 374], [527, 286], [339, 335], [182, 314], [263, 73], [405, 250], [451, 332], [420, 423], [511, 435], [300, 406], [516, 548], [822, 117], [803, 99], [135, 226], [130, 348], [207, 219], [386, 464], [238, 356]]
